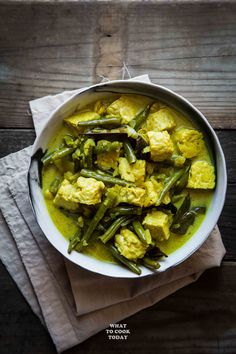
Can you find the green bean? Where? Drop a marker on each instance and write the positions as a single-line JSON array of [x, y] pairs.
[[119, 134], [101, 228], [139, 119], [78, 141], [129, 221], [106, 204], [169, 184], [107, 221], [131, 265], [123, 130], [107, 146], [104, 178], [129, 152], [131, 132], [56, 155], [150, 263], [54, 186], [69, 140], [102, 122], [47, 158], [62, 153], [108, 134], [111, 231], [77, 154], [104, 173], [74, 241], [88, 153], [81, 154], [84, 154], [73, 178], [140, 232], [125, 210]]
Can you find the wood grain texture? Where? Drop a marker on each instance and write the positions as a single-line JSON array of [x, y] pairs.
[[12, 140], [21, 331], [48, 47], [199, 319], [227, 224]]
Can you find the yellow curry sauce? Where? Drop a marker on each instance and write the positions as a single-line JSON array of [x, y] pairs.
[[68, 226]]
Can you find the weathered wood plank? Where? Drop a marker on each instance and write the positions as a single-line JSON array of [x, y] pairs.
[[228, 142], [44, 50], [12, 140], [188, 47], [191, 49], [227, 224], [21, 331], [199, 319]]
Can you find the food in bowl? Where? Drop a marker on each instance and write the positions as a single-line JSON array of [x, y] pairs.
[[128, 179]]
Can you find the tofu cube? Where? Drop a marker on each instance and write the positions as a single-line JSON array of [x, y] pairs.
[[161, 145], [189, 142], [201, 175], [108, 160], [129, 245], [89, 190], [81, 117], [85, 191], [66, 196], [100, 106], [128, 106], [157, 223], [132, 172], [154, 107], [161, 120], [132, 195], [153, 190]]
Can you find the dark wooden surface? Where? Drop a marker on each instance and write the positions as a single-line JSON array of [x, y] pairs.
[[48, 46]]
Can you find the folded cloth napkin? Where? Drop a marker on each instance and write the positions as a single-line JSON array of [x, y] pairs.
[[71, 302]]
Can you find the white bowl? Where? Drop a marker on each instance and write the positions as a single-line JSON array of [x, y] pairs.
[[86, 96]]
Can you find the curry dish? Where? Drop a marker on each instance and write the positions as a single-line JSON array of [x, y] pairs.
[[128, 179]]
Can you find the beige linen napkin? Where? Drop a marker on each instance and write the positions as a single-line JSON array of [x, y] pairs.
[[40, 272]]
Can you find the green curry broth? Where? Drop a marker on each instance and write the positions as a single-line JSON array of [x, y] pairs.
[[68, 226]]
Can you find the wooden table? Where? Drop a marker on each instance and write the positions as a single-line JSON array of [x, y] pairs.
[[47, 47]]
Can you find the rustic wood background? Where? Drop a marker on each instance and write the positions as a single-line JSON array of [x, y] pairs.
[[190, 47]]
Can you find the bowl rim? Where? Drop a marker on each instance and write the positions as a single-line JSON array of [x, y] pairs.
[[211, 224]]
